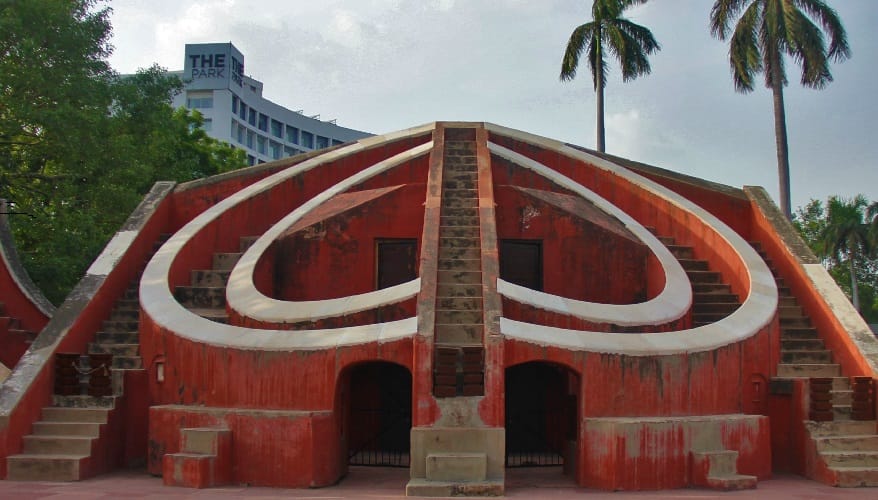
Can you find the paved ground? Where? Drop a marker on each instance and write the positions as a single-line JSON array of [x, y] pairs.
[[372, 483]]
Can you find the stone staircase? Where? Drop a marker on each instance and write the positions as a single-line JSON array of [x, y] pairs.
[[203, 462], [846, 450], [459, 328], [71, 442], [719, 470], [206, 296], [712, 299]]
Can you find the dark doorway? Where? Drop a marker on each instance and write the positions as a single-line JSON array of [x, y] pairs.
[[397, 261], [380, 418], [541, 415], [521, 262]]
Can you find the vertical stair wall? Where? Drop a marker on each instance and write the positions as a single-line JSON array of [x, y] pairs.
[[74, 324], [844, 331]]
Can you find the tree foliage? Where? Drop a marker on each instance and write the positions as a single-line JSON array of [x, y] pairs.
[[840, 233], [79, 144], [761, 33], [609, 33]]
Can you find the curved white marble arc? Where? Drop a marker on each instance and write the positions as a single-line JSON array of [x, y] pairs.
[[670, 304], [244, 298], [159, 303], [756, 312]]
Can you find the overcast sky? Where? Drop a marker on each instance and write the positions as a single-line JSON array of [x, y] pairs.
[[385, 65]]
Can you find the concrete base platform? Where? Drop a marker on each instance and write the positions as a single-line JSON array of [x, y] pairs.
[[426, 488]]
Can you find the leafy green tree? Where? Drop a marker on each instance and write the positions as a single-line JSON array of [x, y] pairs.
[[768, 30], [79, 145], [609, 32], [858, 279]]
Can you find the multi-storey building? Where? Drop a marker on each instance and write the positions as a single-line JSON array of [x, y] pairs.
[[236, 112]]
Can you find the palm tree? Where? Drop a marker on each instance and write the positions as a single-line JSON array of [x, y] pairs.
[[609, 32], [765, 32], [847, 235]]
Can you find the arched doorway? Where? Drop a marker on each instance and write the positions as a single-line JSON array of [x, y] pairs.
[[541, 415], [379, 414]]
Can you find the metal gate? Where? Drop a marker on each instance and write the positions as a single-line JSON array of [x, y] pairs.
[[380, 416], [527, 443]]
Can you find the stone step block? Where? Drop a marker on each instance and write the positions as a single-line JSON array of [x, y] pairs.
[[460, 264], [459, 334], [205, 440], [795, 322], [127, 362], [455, 184], [841, 428], [201, 296], [703, 276], [459, 303], [459, 212], [855, 477], [83, 429], [460, 277], [114, 349], [713, 298], [84, 401], [460, 194], [715, 307], [842, 397], [25, 467], [709, 317], [785, 311], [225, 261], [455, 290], [732, 482], [808, 370], [117, 337], [693, 264], [713, 288], [847, 443], [125, 314], [681, 251], [787, 301], [187, 470], [799, 333], [209, 277], [452, 316], [86, 415], [464, 467], [807, 357], [454, 242], [470, 174], [120, 326], [850, 458], [794, 344], [457, 202], [459, 232], [470, 253], [459, 221], [57, 445], [422, 487]]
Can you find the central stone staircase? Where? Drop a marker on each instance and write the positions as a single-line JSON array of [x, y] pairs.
[[459, 327]]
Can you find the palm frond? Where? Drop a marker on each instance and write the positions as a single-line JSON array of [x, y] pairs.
[[839, 50], [722, 14], [805, 45], [597, 62], [580, 40], [745, 56]]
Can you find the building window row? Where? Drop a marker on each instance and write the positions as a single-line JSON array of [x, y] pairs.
[[199, 102], [277, 128], [260, 143]]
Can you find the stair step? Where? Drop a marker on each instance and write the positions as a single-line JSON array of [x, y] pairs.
[[127, 362], [459, 231], [460, 212], [117, 337], [693, 264], [459, 303], [458, 221], [460, 277], [456, 290], [452, 316], [847, 443], [460, 264], [120, 326], [459, 184], [841, 428], [456, 202], [681, 251], [124, 314], [456, 242], [27, 467], [90, 415], [731, 482], [457, 334], [793, 323], [225, 261], [713, 298], [57, 445], [808, 370], [794, 311], [714, 289], [795, 344], [220, 315], [85, 429], [468, 253], [807, 357], [715, 307], [209, 297], [704, 276], [855, 477], [850, 458], [799, 332], [708, 317], [209, 277]]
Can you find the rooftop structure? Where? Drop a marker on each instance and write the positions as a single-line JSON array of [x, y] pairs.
[[236, 112]]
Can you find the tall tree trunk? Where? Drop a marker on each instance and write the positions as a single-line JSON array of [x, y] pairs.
[[855, 292], [599, 88], [780, 137]]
